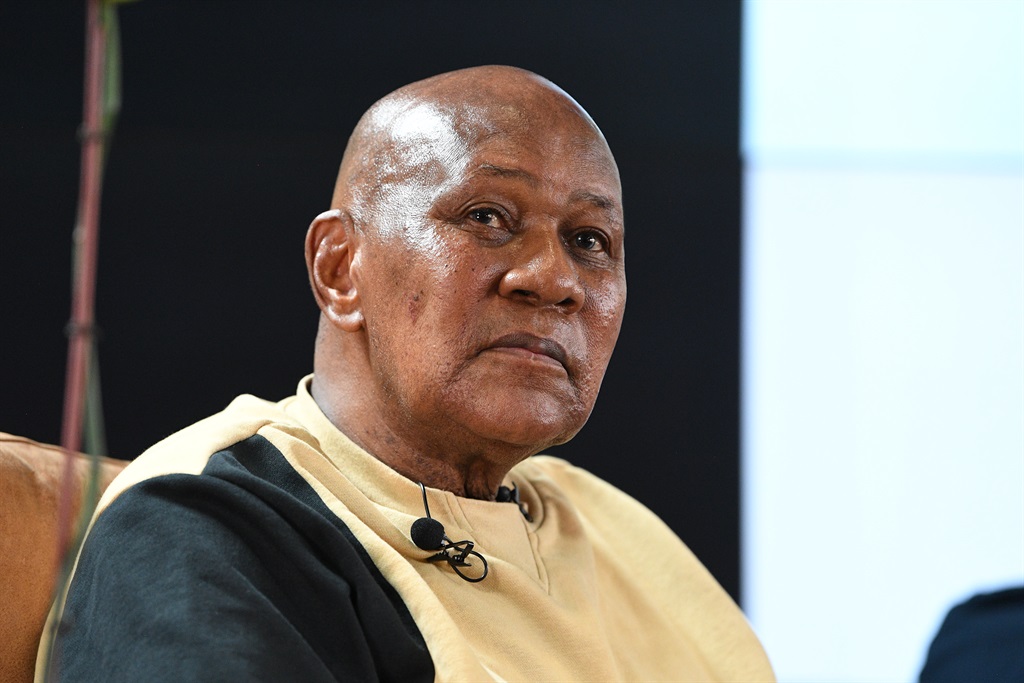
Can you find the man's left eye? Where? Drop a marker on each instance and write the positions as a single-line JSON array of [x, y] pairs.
[[588, 241], [486, 216]]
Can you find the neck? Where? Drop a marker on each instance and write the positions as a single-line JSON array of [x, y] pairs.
[[438, 456]]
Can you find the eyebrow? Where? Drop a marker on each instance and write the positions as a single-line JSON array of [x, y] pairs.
[[600, 201], [504, 172]]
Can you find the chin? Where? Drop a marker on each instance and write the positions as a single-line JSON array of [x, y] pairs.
[[531, 429]]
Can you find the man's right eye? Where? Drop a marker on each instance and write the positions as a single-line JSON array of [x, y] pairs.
[[488, 217]]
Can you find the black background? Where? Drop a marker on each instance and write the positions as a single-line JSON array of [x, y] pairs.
[[235, 116]]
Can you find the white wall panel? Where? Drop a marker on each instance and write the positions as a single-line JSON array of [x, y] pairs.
[[883, 325], [884, 78]]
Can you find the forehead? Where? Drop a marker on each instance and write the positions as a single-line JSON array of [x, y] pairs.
[[424, 147], [414, 134], [566, 156]]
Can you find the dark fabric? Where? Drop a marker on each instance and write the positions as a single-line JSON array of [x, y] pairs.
[[238, 574], [981, 639]]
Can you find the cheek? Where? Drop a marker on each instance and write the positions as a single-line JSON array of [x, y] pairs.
[[604, 319]]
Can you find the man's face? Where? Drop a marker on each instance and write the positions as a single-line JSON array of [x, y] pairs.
[[493, 295]]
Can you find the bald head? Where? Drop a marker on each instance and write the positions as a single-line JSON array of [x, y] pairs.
[[407, 148]]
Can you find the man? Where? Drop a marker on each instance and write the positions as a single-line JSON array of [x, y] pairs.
[[470, 276]]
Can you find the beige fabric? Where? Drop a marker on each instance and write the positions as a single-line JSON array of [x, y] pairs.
[[30, 484], [595, 588]]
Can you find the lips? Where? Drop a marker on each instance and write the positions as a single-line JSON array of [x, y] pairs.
[[534, 344]]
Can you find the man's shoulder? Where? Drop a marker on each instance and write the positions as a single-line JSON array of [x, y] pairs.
[[650, 562], [575, 481], [188, 450], [609, 509]]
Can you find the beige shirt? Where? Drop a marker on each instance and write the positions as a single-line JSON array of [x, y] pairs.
[[594, 588]]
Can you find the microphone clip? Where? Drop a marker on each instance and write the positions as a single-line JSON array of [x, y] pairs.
[[428, 534]]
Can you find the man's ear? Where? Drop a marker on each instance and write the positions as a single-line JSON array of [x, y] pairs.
[[331, 249]]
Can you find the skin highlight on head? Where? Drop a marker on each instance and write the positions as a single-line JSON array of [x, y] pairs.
[[470, 276]]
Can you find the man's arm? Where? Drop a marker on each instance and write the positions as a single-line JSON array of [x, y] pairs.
[[240, 573]]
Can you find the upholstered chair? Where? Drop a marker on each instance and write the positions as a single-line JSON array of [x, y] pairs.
[[30, 488]]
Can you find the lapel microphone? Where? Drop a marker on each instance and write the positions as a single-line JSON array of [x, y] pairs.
[[511, 495], [428, 534]]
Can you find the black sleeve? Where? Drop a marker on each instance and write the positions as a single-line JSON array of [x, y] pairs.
[[240, 573]]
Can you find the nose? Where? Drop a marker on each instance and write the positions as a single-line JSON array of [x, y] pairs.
[[543, 273]]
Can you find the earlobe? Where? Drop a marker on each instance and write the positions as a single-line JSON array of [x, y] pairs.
[[331, 254]]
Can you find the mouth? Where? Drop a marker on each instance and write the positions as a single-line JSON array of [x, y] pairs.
[[531, 347]]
